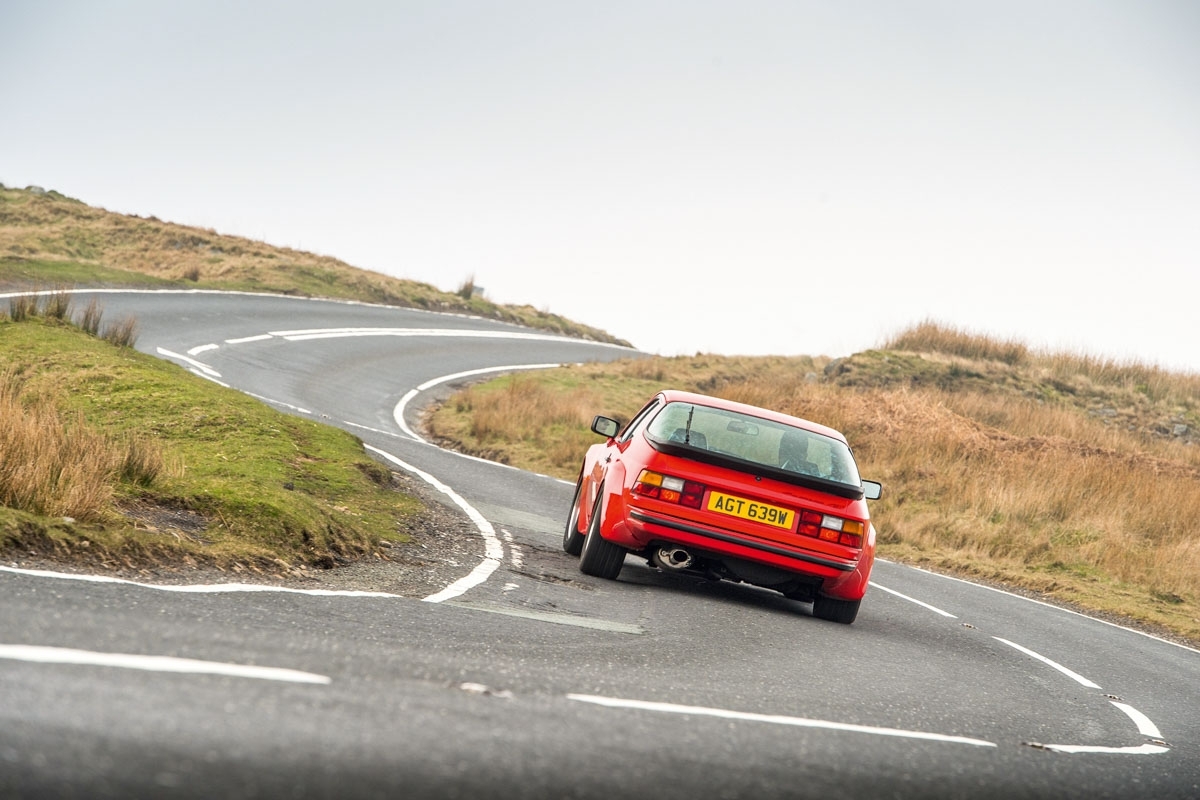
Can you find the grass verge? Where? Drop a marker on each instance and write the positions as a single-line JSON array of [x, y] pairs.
[[178, 470]]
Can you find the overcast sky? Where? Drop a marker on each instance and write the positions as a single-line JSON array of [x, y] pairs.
[[733, 177]]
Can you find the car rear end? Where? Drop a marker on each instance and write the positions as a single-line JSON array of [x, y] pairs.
[[717, 498]]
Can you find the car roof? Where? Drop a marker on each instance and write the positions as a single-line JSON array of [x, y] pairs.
[[677, 396]]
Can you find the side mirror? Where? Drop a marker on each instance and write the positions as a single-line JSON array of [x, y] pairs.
[[872, 490], [605, 427]]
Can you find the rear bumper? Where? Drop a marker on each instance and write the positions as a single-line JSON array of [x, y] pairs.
[[841, 578]]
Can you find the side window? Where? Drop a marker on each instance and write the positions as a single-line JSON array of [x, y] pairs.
[[639, 419]]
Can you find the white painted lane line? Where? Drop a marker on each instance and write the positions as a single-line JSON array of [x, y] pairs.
[[204, 348], [211, 588], [1075, 676], [1145, 725], [800, 722], [262, 337], [1052, 606], [205, 368], [493, 553], [467, 333], [280, 403], [934, 609], [1140, 750], [65, 655], [398, 411], [554, 617]]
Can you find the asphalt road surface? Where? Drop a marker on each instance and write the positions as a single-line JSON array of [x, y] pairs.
[[525, 678]]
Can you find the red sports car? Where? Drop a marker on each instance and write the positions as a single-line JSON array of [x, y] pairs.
[[729, 491]]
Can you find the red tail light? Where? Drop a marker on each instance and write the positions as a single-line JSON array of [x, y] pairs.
[[828, 528], [669, 488]]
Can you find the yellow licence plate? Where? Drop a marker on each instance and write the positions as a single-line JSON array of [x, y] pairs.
[[748, 509]]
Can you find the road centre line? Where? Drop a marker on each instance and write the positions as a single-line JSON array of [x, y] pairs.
[[1051, 605], [800, 722], [1075, 676], [66, 655], [934, 609]]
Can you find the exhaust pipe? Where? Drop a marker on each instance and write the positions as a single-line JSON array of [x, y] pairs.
[[674, 558]]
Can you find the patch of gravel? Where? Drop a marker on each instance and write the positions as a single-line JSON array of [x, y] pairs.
[[443, 546]]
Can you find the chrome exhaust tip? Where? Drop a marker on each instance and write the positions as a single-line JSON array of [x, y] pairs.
[[673, 558]]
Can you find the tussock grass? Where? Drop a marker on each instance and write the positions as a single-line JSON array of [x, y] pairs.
[[126, 445], [55, 464], [1063, 474], [122, 332]]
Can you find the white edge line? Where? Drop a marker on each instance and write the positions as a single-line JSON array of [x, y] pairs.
[[671, 708], [205, 368], [203, 348], [1047, 605], [210, 588], [493, 550], [66, 655], [398, 411], [262, 399], [262, 337], [934, 609], [1075, 676]]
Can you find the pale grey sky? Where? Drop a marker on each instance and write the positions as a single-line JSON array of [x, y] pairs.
[[731, 177]]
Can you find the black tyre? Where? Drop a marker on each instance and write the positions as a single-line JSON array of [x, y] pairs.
[[599, 556], [843, 611], [572, 538]]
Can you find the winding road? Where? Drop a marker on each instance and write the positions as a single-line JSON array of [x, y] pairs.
[[525, 678]]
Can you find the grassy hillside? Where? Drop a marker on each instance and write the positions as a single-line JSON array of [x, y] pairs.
[[1070, 476], [118, 459], [48, 240]]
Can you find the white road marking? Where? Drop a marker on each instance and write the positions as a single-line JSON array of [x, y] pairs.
[[555, 617], [800, 722], [398, 411], [1140, 750], [468, 333], [65, 655], [262, 337], [1052, 606], [1075, 676], [493, 551], [205, 368], [204, 348], [934, 609], [210, 588], [1144, 725], [297, 409]]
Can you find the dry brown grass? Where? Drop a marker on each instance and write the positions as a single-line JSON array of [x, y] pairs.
[[94, 245], [56, 465], [997, 466]]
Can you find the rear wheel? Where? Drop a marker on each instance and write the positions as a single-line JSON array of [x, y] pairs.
[[599, 556], [843, 611], [572, 538]]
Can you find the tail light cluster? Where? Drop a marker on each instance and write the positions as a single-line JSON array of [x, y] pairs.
[[670, 489], [828, 528]]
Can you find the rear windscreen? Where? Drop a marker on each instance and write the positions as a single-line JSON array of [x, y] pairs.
[[754, 440]]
